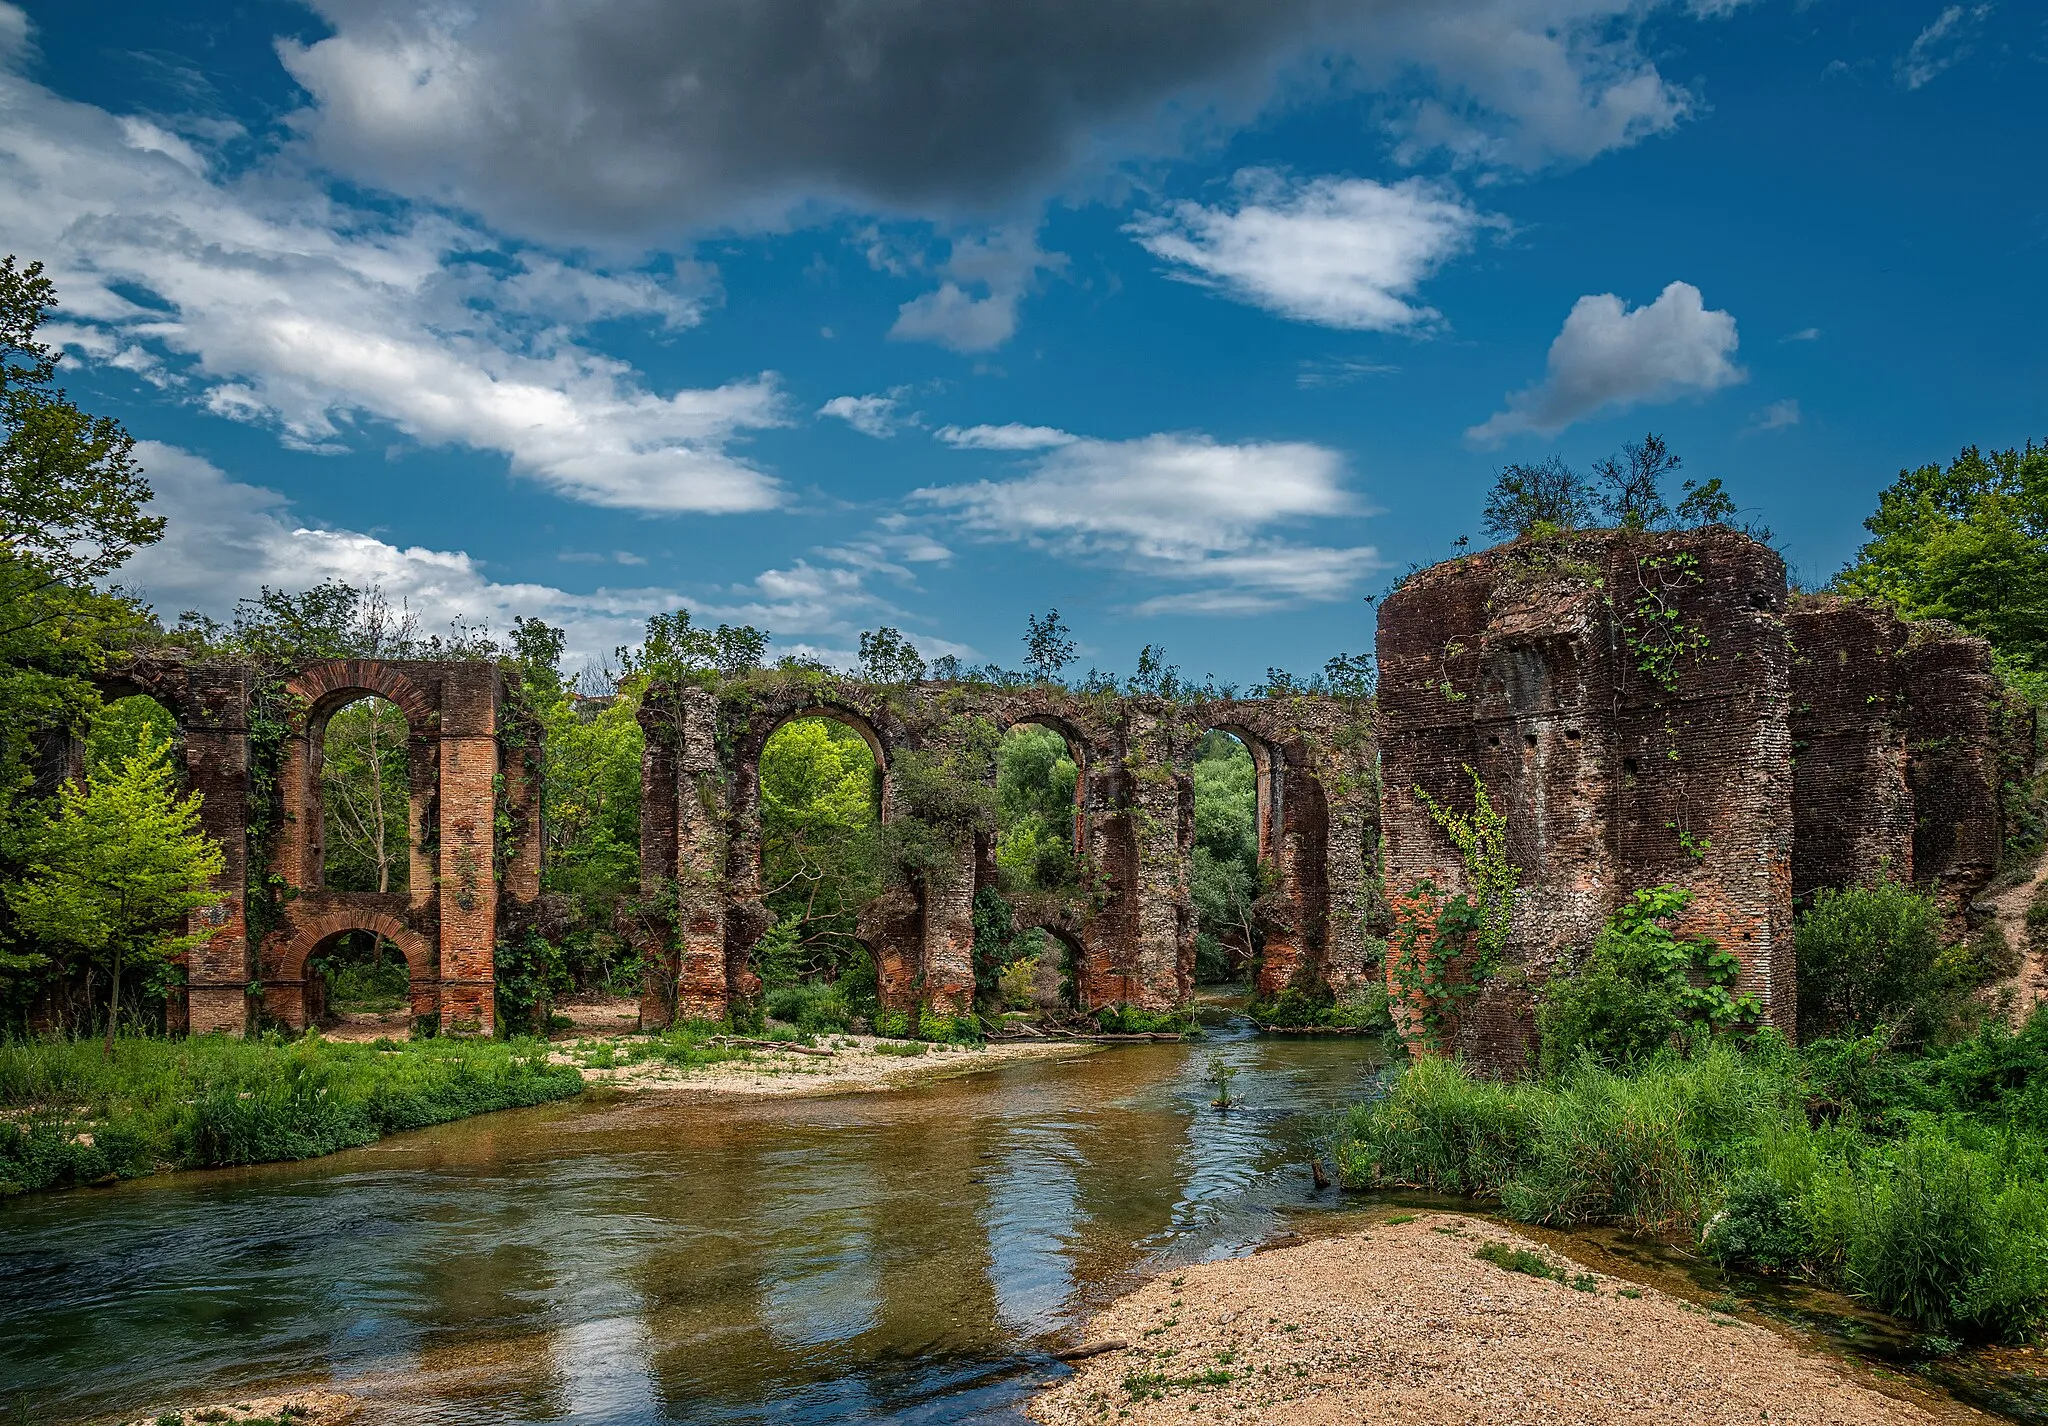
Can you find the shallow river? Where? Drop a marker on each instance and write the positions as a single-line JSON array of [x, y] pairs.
[[911, 1256]]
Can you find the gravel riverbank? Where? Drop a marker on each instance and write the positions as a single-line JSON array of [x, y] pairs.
[[1403, 1322]]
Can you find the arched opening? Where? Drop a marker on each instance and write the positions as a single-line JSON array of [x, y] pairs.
[[822, 791], [359, 985], [365, 798], [1226, 878], [1037, 859], [125, 727], [1038, 796]]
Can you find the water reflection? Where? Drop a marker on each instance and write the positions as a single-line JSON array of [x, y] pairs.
[[903, 1257]]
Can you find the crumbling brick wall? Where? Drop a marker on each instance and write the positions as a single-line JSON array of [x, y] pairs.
[[1132, 924], [1623, 698], [1898, 730]]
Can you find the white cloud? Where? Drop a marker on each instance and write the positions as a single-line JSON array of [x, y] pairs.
[[1176, 506], [1804, 334], [223, 539], [1611, 355], [975, 308], [1012, 437], [1776, 416], [268, 302], [876, 416], [1339, 371], [1344, 253], [1942, 46]]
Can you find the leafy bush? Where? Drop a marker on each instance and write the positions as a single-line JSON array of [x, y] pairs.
[[1317, 1009], [1130, 1020], [1871, 955], [369, 987], [1761, 1225], [813, 1008], [1642, 987]]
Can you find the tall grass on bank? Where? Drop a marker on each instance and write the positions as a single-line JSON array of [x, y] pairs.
[[70, 1116], [1919, 1185]]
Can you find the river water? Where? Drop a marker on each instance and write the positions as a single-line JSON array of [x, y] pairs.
[[909, 1257]]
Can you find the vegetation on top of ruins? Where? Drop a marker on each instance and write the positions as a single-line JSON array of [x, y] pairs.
[[1627, 491]]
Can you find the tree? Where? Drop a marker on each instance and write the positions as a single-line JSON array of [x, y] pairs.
[[1967, 542], [818, 853], [71, 495], [1632, 497], [887, 657], [1048, 646], [677, 649], [1225, 883], [366, 797], [1544, 498], [123, 860]]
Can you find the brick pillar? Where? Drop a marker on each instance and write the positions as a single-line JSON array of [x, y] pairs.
[[467, 875], [947, 949], [217, 974], [1953, 723], [1159, 964], [706, 979]]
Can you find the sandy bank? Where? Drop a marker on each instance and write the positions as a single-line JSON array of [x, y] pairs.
[[313, 1407], [1403, 1323], [855, 1063]]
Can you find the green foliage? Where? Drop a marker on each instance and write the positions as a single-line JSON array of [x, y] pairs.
[[1481, 837], [210, 1101], [1642, 988], [813, 1008], [377, 986], [677, 651], [1532, 1264], [122, 860], [1035, 781], [1225, 881], [531, 971], [1123, 1019], [887, 657], [1927, 1194], [1544, 498], [819, 844], [1313, 1007], [1871, 955], [366, 797], [1048, 646], [1967, 542]]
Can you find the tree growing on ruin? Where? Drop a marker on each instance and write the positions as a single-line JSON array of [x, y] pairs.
[[1048, 646], [1547, 497], [887, 657]]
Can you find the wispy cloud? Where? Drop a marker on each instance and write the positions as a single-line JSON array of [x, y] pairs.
[[1346, 253], [877, 416], [1012, 437], [1180, 507], [1776, 416], [1942, 46]]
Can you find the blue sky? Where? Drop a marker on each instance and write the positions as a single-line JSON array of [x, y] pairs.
[[1197, 319]]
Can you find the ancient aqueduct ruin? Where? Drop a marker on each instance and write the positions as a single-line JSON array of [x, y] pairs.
[[1643, 707]]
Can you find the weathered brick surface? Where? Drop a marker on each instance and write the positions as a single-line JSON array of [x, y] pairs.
[[1852, 808], [1898, 730], [1542, 669], [1133, 927]]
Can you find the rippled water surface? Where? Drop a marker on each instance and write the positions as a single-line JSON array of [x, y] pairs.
[[909, 1256]]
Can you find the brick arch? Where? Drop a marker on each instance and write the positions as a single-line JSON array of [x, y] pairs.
[[328, 686], [1269, 765], [289, 986], [845, 717]]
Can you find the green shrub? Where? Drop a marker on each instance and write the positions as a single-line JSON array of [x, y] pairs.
[[1130, 1020], [1871, 955], [902, 1047], [1641, 989], [362, 986], [1946, 1236], [1317, 1009], [813, 1008], [1761, 1225], [1437, 1129]]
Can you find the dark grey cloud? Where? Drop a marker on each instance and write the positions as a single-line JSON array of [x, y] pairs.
[[629, 116], [637, 120]]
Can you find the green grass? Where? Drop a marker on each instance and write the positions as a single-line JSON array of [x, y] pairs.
[[1919, 1183], [74, 1117], [1521, 1260]]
